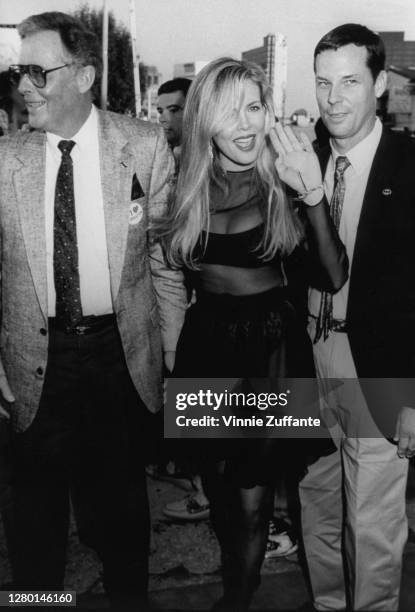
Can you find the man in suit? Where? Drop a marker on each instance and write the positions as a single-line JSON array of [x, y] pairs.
[[353, 501], [88, 308]]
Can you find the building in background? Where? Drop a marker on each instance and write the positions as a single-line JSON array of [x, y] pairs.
[[264, 56], [399, 52], [272, 57], [188, 70], [401, 97], [397, 107], [153, 77]]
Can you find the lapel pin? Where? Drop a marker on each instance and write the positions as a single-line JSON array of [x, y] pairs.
[[386, 191], [136, 213], [124, 164]]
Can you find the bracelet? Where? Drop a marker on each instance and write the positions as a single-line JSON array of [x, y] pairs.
[[303, 196]]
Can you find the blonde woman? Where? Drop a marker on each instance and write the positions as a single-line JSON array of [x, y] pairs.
[[232, 228]]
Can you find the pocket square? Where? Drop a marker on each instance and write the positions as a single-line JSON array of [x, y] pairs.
[[136, 190]]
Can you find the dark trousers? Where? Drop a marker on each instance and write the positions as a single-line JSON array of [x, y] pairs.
[[5, 476], [85, 445]]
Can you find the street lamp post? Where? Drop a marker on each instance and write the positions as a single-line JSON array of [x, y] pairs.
[[104, 81], [133, 31]]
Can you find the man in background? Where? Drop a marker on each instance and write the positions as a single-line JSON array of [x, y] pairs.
[[170, 104], [182, 467]]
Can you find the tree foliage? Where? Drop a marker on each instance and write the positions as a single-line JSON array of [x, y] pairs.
[[120, 61]]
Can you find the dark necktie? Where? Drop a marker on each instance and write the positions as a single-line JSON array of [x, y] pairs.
[[65, 247], [325, 316]]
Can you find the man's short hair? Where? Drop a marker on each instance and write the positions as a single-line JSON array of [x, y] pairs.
[[359, 35], [81, 43], [179, 84]]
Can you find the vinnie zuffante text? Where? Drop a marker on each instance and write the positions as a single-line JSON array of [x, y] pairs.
[[226, 399]]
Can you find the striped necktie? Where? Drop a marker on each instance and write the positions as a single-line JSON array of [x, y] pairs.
[[325, 316]]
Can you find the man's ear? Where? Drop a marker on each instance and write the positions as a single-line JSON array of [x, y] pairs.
[[85, 78], [381, 83]]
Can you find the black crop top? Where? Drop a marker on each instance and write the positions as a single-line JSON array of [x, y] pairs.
[[239, 249], [236, 205]]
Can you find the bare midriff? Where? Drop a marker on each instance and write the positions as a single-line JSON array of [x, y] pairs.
[[215, 278]]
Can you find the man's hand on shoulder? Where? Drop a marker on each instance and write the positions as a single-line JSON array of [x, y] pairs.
[[6, 395], [405, 432]]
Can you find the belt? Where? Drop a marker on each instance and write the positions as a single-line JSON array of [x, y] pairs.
[[339, 325], [87, 325]]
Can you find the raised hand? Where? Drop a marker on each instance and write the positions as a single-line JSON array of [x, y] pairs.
[[297, 164]]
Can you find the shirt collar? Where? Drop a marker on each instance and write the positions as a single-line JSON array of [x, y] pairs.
[[362, 154], [84, 135]]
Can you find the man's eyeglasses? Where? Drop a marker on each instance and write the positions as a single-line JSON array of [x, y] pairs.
[[35, 73]]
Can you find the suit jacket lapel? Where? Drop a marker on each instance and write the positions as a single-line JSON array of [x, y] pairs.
[[365, 256], [117, 169], [29, 185]]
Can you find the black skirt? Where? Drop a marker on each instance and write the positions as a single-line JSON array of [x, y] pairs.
[[249, 336]]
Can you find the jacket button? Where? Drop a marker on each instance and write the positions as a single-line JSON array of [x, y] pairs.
[[43, 331], [39, 371]]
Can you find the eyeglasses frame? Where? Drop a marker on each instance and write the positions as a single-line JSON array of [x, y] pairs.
[[23, 69]]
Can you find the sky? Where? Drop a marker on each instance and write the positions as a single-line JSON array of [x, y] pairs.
[[178, 31]]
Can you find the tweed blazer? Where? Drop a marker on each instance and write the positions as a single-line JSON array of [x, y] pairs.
[[149, 299]]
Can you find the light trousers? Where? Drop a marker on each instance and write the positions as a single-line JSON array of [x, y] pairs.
[[353, 501]]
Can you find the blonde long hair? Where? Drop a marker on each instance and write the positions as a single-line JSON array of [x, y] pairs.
[[213, 97]]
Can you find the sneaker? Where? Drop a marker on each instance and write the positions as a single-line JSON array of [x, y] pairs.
[[187, 509], [281, 541], [278, 525]]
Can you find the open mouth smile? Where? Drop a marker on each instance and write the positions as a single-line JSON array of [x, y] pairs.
[[245, 143]]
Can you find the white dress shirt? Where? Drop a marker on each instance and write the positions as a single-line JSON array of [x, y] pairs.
[[90, 222], [355, 178]]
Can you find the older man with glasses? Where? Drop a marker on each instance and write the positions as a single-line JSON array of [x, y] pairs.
[[88, 309]]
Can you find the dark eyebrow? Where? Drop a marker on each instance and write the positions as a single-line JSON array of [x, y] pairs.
[[252, 102], [345, 76]]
